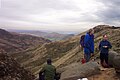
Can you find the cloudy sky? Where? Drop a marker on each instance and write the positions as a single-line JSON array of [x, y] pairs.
[[63, 15]]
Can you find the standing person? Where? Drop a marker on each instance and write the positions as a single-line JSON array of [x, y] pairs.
[[89, 45], [48, 70], [104, 47], [81, 47]]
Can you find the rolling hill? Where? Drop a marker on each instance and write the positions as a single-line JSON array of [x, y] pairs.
[[67, 51], [14, 42], [53, 36]]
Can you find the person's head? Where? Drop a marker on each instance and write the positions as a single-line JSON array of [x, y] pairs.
[[91, 31], [49, 61], [105, 37]]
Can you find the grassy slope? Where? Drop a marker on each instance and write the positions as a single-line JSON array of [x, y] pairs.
[[114, 38], [64, 52], [33, 59]]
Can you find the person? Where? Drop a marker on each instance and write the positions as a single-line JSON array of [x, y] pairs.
[[48, 71], [89, 45], [104, 47]]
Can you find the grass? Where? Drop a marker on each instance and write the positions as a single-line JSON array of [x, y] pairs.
[[62, 52]]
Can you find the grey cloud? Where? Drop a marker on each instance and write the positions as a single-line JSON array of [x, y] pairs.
[[111, 13], [82, 18], [36, 6], [23, 10]]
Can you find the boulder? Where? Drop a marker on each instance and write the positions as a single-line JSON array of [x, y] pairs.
[[80, 71], [112, 54], [114, 60], [73, 65]]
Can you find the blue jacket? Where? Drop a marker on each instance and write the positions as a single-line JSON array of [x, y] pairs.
[[104, 43], [89, 43]]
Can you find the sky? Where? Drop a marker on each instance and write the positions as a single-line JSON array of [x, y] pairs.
[[58, 15]]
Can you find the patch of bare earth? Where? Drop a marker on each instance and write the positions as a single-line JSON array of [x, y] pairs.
[[106, 74]]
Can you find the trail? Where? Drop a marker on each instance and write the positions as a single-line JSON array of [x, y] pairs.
[[106, 74]]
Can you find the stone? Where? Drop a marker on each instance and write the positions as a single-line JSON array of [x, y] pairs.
[[81, 71], [114, 60]]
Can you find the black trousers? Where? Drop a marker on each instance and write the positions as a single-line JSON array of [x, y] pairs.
[[104, 57]]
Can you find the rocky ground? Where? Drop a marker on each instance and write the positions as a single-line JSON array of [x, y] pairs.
[[106, 74], [11, 70]]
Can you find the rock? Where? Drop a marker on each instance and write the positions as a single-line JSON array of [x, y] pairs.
[[11, 70], [114, 60], [80, 71], [73, 65], [101, 27], [112, 54]]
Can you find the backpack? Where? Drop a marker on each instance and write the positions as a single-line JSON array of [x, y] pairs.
[[82, 40]]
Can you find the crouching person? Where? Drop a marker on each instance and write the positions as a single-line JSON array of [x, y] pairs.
[[48, 72], [104, 47]]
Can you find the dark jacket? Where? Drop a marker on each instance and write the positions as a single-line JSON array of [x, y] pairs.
[[89, 43], [102, 44], [49, 72]]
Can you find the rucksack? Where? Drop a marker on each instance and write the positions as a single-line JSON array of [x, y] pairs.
[[82, 41]]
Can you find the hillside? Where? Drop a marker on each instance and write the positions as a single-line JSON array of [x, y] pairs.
[[11, 70], [65, 52], [13, 42], [53, 36], [33, 59], [100, 30]]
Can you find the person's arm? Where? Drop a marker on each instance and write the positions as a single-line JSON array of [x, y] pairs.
[[109, 45], [92, 45], [99, 46], [55, 77], [41, 73], [55, 71], [42, 70], [86, 41]]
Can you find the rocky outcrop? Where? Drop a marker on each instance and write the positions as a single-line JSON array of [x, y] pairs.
[[101, 27], [80, 71], [11, 70], [114, 60]]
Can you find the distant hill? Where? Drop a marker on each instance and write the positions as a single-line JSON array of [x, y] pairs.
[[13, 42], [67, 51], [53, 36]]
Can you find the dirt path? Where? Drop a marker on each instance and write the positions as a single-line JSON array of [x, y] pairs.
[[106, 74]]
